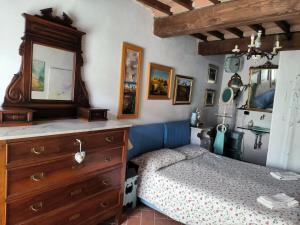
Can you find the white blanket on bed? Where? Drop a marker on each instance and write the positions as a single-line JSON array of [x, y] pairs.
[[217, 191]]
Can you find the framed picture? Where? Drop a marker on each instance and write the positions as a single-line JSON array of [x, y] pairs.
[[182, 90], [209, 97], [159, 81], [131, 69], [212, 74]]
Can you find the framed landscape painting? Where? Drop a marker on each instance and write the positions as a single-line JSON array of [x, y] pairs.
[[131, 68], [183, 90], [159, 81]]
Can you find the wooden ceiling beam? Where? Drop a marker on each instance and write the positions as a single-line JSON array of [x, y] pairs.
[[200, 36], [285, 27], [185, 3], [226, 46], [228, 14], [258, 27], [217, 34], [236, 32], [155, 4]]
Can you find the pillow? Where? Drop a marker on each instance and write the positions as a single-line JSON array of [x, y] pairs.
[[191, 151], [177, 134], [156, 160]]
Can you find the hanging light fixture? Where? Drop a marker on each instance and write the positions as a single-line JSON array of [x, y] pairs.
[[255, 51]]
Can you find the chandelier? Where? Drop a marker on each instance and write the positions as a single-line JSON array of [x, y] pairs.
[[255, 48]]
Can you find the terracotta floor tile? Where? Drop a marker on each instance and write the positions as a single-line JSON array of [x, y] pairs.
[[159, 215], [134, 213], [134, 221], [148, 217], [143, 215]]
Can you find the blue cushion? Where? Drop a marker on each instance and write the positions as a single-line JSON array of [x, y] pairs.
[[145, 138], [177, 134]]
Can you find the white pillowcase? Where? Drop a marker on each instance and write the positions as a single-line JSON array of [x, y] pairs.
[[191, 151], [153, 161]]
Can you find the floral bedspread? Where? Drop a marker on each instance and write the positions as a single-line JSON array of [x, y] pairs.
[[215, 190]]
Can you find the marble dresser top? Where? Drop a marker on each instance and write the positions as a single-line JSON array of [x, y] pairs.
[[46, 128]]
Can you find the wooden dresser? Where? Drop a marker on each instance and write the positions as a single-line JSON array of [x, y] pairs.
[[42, 184]]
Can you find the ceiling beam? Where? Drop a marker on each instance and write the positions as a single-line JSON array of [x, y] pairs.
[[200, 36], [217, 34], [228, 14], [284, 26], [215, 1], [155, 4], [226, 46], [258, 27], [236, 31], [185, 3]]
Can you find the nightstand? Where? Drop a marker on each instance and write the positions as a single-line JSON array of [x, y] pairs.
[[195, 140]]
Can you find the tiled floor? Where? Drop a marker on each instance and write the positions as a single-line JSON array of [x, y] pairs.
[[143, 215]]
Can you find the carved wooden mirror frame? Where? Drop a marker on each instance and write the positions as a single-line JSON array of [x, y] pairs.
[[55, 32]]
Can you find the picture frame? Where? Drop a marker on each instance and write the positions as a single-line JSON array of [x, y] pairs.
[[159, 82], [131, 71], [212, 74], [183, 88], [209, 99]]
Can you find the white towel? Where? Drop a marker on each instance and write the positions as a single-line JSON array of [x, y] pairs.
[[278, 201], [285, 175]]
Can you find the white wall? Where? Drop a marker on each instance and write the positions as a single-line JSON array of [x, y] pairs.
[[108, 24], [284, 147]]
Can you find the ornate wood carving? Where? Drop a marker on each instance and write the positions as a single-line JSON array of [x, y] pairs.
[[47, 15], [54, 32]]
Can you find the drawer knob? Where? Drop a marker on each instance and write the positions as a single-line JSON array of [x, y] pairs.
[[104, 204], [38, 150], [36, 207], [109, 139], [107, 158], [37, 176], [105, 182], [74, 217], [76, 192]]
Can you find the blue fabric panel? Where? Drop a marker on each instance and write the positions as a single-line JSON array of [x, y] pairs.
[[177, 134], [146, 138]]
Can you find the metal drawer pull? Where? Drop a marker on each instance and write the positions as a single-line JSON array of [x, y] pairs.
[[76, 192], [38, 150], [74, 217], [37, 176], [104, 204], [109, 139], [107, 159], [105, 182], [36, 207]]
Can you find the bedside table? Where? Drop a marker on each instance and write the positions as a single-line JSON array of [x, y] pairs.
[[195, 140]]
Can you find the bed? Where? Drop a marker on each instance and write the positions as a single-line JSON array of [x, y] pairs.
[[194, 186], [211, 189]]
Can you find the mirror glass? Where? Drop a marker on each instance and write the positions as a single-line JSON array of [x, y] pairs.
[[262, 89], [52, 73]]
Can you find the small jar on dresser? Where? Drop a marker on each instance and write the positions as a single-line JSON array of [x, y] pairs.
[[41, 183]]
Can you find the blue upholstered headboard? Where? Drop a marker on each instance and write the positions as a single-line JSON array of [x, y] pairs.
[[146, 138], [150, 137]]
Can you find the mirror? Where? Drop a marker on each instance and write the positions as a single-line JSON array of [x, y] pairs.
[[49, 82], [52, 73], [262, 86]]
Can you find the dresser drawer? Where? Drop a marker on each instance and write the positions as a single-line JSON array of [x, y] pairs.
[[43, 148], [26, 179], [33, 206], [80, 212]]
